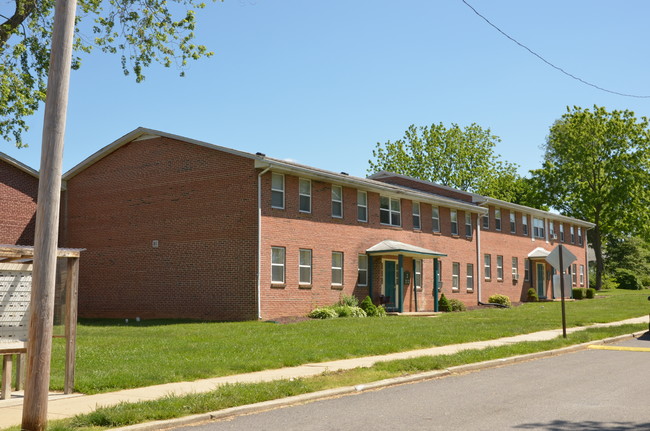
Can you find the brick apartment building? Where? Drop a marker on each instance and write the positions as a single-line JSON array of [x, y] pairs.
[[18, 191], [177, 228]]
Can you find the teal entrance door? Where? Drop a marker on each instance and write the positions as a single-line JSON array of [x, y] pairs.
[[541, 280], [390, 283]]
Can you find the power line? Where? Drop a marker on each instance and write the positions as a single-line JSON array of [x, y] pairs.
[[577, 78]]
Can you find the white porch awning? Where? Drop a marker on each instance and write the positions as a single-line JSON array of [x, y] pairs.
[[399, 248], [538, 253]]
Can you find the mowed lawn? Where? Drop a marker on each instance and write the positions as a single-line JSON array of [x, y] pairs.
[[113, 355]]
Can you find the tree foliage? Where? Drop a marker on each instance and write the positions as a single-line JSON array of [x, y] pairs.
[[596, 168], [141, 32], [462, 158]]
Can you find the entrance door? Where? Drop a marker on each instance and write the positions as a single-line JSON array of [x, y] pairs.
[[390, 283], [541, 280]]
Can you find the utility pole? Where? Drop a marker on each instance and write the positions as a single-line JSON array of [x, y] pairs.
[[39, 348]]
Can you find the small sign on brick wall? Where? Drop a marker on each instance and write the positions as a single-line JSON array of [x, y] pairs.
[[15, 296]]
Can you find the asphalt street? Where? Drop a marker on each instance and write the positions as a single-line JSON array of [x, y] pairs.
[[586, 390]]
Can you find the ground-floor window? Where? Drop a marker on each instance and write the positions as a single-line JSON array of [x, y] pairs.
[[499, 267], [470, 277], [515, 268], [487, 259], [337, 268], [362, 278], [417, 269], [582, 275], [455, 275], [305, 266], [277, 264], [527, 270]]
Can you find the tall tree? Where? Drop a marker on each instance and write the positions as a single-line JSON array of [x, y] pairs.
[[462, 158], [597, 167], [139, 31]]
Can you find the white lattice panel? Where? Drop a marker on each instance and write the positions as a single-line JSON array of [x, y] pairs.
[[15, 294]]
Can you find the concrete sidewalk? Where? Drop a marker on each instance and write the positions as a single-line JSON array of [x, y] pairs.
[[63, 406]]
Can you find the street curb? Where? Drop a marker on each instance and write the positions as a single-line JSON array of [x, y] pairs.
[[329, 393]]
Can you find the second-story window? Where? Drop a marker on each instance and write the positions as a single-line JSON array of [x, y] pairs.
[[435, 219], [513, 222], [551, 229], [390, 211], [497, 219], [416, 215], [579, 236], [468, 224], [362, 206], [454, 222], [538, 227], [337, 201], [486, 221], [524, 224], [573, 235], [562, 232], [277, 191], [305, 195]]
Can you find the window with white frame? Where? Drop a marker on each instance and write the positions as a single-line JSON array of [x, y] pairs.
[[513, 222], [562, 232], [486, 221], [455, 275], [527, 270], [524, 224], [515, 268], [362, 278], [487, 264], [573, 235], [470, 277], [454, 222], [277, 190], [417, 269], [416, 215], [337, 201], [389, 211], [579, 236], [305, 195], [337, 268], [551, 229], [305, 266], [435, 219], [362, 206], [497, 219], [538, 227], [582, 275], [277, 265], [468, 224], [499, 267], [574, 273]]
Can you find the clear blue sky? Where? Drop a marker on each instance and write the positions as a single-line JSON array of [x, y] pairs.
[[321, 82]]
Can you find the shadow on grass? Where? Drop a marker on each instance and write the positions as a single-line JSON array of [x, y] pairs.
[[558, 425]]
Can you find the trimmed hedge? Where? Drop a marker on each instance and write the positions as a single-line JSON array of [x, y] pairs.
[[500, 299]]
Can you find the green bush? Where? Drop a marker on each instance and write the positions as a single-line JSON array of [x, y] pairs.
[[371, 309], [381, 311], [577, 293], [645, 281], [348, 311], [591, 293], [457, 305], [443, 304], [323, 313], [627, 279], [500, 299], [609, 282], [531, 295], [349, 300]]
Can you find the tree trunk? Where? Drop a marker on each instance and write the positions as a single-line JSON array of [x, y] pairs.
[[598, 250]]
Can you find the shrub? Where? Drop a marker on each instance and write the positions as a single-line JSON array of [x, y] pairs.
[[349, 300], [577, 293], [323, 313], [443, 304], [500, 299], [371, 309], [627, 279], [381, 311], [531, 295], [456, 305], [609, 282], [348, 311], [591, 293]]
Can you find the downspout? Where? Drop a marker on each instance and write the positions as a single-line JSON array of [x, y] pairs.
[[259, 242], [415, 290], [478, 258]]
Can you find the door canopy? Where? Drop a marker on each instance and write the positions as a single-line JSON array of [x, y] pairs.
[[390, 247]]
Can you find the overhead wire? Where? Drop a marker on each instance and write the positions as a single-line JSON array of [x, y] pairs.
[[577, 78]]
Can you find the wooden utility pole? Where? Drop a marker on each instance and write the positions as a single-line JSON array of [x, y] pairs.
[[39, 348]]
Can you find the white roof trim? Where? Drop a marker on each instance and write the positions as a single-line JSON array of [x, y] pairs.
[[15, 163], [539, 252], [389, 246]]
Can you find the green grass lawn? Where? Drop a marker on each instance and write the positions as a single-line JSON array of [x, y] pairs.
[[112, 355]]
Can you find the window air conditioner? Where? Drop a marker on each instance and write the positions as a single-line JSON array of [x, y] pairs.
[[515, 277], [554, 236]]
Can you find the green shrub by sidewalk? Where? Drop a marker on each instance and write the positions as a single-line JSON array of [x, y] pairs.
[[591, 293], [443, 304], [531, 295], [500, 299]]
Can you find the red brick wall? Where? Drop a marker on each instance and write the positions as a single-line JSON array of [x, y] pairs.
[[18, 192], [323, 234], [198, 203], [511, 245], [429, 188]]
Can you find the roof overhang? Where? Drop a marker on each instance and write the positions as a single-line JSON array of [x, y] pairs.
[[396, 248], [538, 253], [21, 166]]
